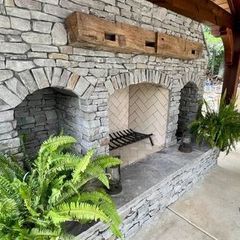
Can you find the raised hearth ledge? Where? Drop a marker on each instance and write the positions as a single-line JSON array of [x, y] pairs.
[[152, 184]]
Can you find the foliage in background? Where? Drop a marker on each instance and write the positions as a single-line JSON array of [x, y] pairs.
[[59, 188], [216, 51], [218, 128]]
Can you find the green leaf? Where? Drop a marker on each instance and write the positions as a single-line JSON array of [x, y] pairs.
[[81, 165]]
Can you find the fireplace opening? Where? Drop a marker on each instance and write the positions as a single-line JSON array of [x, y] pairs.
[[188, 108], [44, 113], [143, 108]]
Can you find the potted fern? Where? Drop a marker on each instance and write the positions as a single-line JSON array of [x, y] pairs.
[[220, 128], [33, 205]]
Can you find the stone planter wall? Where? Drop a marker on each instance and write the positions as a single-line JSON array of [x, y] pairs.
[[34, 55]]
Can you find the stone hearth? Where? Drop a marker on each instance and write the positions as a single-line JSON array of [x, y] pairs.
[[152, 184]]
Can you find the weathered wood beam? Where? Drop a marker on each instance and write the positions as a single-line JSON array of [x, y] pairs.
[[232, 6], [93, 32], [204, 11], [227, 38], [235, 8], [232, 71]]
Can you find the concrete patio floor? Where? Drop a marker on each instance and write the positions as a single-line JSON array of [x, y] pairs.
[[211, 210]]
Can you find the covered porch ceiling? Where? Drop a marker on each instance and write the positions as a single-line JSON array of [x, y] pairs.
[[223, 16], [223, 4]]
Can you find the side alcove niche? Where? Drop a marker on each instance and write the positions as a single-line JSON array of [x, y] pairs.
[[45, 113], [189, 103]]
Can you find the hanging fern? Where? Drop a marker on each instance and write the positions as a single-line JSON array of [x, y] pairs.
[[34, 205]]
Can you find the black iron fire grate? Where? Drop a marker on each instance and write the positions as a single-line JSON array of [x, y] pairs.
[[125, 137]]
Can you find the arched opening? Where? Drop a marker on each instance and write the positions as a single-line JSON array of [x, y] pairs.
[[188, 108], [44, 113], [143, 108]]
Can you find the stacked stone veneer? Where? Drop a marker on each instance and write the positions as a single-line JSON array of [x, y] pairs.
[[45, 113], [188, 107], [36, 119], [34, 55], [155, 200]]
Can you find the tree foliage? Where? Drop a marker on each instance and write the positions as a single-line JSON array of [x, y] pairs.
[[215, 49], [34, 205]]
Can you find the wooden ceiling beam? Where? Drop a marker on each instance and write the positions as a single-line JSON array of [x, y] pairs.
[[204, 11], [232, 6], [227, 37], [232, 71]]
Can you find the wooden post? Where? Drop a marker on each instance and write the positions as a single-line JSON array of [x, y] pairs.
[[232, 70]]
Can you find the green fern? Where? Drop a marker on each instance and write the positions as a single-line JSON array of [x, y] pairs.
[[34, 204], [218, 128]]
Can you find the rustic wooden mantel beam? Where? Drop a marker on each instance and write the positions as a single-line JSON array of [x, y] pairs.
[[93, 32], [204, 11]]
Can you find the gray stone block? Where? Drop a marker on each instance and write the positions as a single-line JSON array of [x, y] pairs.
[[17, 87], [28, 80], [56, 10], [20, 24], [44, 17], [4, 22], [8, 97], [59, 34], [19, 66], [81, 86], [40, 78], [18, 12], [5, 74], [44, 48], [36, 38], [17, 48], [5, 127], [42, 27], [29, 4]]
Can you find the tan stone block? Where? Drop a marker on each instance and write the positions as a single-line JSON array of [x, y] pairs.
[[66, 49], [9, 3], [72, 81], [58, 56]]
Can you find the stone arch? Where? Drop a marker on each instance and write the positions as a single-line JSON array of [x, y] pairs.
[[123, 80], [192, 77], [15, 89], [149, 81]]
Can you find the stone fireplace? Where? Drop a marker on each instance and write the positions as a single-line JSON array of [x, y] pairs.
[[48, 87], [37, 66]]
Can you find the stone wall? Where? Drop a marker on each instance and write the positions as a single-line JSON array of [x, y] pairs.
[[34, 55], [70, 116], [36, 119], [44, 113], [155, 200]]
